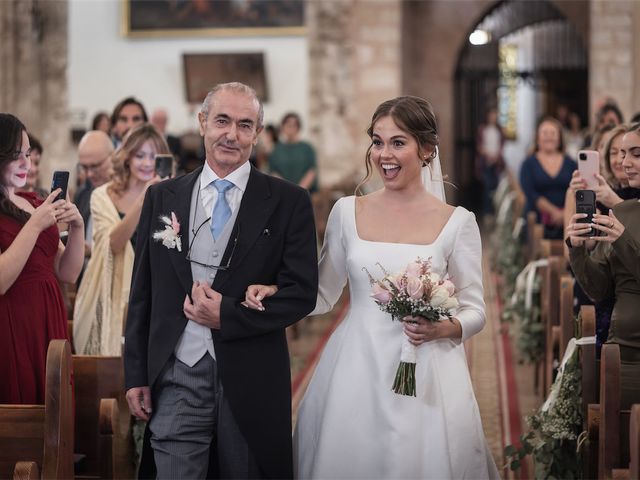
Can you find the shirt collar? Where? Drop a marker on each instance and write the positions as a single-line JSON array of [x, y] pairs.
[[239, 177]]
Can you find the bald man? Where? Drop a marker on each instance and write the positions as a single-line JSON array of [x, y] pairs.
[[94, 157], [159, 119]]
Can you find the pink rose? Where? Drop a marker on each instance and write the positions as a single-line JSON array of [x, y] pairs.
[[396, 280], [415, 268], [415, 287], [380, 293], [449, 286]]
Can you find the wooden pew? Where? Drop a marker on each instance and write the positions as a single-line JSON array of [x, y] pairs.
[[550, 316], [567, 318], [103, 422], [634, 443], [613, 437], [535, 234], [36, 441], [590, 388]]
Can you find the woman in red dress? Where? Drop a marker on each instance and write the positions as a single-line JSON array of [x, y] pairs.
[[32, 259]]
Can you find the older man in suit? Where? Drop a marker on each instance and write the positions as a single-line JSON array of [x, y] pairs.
[[211, 376]]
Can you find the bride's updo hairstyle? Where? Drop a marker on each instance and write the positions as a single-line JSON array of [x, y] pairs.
[[413, 115]]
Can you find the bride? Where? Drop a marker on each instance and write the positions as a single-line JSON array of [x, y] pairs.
[[351, 424]]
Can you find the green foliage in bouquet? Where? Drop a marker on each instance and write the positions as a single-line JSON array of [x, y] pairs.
[[553, 438], [529, 330], [401, 306]]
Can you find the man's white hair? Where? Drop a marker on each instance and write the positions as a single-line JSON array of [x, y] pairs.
[[234, 87]]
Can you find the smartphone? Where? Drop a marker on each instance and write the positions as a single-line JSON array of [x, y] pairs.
[[586, 203], [164, 165], [60, 180], [588, 166]]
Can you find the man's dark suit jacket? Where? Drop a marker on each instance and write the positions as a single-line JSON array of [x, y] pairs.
[[276, 244]]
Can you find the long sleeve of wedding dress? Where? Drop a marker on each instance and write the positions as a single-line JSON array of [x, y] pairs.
[[465, 271], [333, 263]]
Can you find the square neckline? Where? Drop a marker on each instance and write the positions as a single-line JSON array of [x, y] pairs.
[[440, 233]]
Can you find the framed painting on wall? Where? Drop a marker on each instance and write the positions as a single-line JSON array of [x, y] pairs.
[[202, 71], [161, 18]]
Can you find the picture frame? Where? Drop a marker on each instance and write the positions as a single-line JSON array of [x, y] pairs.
[[166, 18], [202, 71]]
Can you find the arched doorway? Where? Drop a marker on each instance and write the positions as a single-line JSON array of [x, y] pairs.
[[533, 62]]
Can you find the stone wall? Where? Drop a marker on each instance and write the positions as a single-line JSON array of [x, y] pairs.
[[33, 80], [355, 63], [614, 46]]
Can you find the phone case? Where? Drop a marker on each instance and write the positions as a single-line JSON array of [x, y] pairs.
[[588, 166], [164, 165], [586, 203], [60, 180]]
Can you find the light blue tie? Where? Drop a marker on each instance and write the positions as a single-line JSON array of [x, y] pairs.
[[221, 210]]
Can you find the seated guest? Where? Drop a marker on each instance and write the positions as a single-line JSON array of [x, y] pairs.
[[613, 172], [608, 193], [115, 212], [545, 177], [160, 119], [102, 122], [32, 260], [127, 114], [94, 152], [292, 158], [609, 265], [33, 180], [607, 142]]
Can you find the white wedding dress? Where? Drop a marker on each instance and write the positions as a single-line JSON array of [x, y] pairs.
[[350, 423]]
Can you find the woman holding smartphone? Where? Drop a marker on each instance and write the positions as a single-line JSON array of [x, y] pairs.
[[115, 210], [609, 265], [32, 260]]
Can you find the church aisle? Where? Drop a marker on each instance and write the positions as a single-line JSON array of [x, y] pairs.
[[483, 356]]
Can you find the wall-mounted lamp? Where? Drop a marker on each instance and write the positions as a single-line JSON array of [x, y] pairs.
[[479, 37]]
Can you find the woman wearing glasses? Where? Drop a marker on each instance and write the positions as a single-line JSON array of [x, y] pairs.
[[115, 210], [32, 260]]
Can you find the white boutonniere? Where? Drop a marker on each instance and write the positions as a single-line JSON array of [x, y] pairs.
[[170, 235]]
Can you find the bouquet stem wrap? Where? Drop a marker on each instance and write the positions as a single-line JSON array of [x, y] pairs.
[[405, 381]]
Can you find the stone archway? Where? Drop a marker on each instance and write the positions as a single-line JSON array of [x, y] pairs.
[[434, 34], [549, 68]]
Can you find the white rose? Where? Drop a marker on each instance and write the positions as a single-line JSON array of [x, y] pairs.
[[434, 278], [439, 295], [450, 303]]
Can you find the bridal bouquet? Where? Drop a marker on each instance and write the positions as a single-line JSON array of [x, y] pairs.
[[418, 292]]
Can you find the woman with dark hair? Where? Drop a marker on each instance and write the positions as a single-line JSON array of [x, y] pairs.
[[545, 177], [115, 210], [101, 121], [33, 177], [32, 260], [438, 432]]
